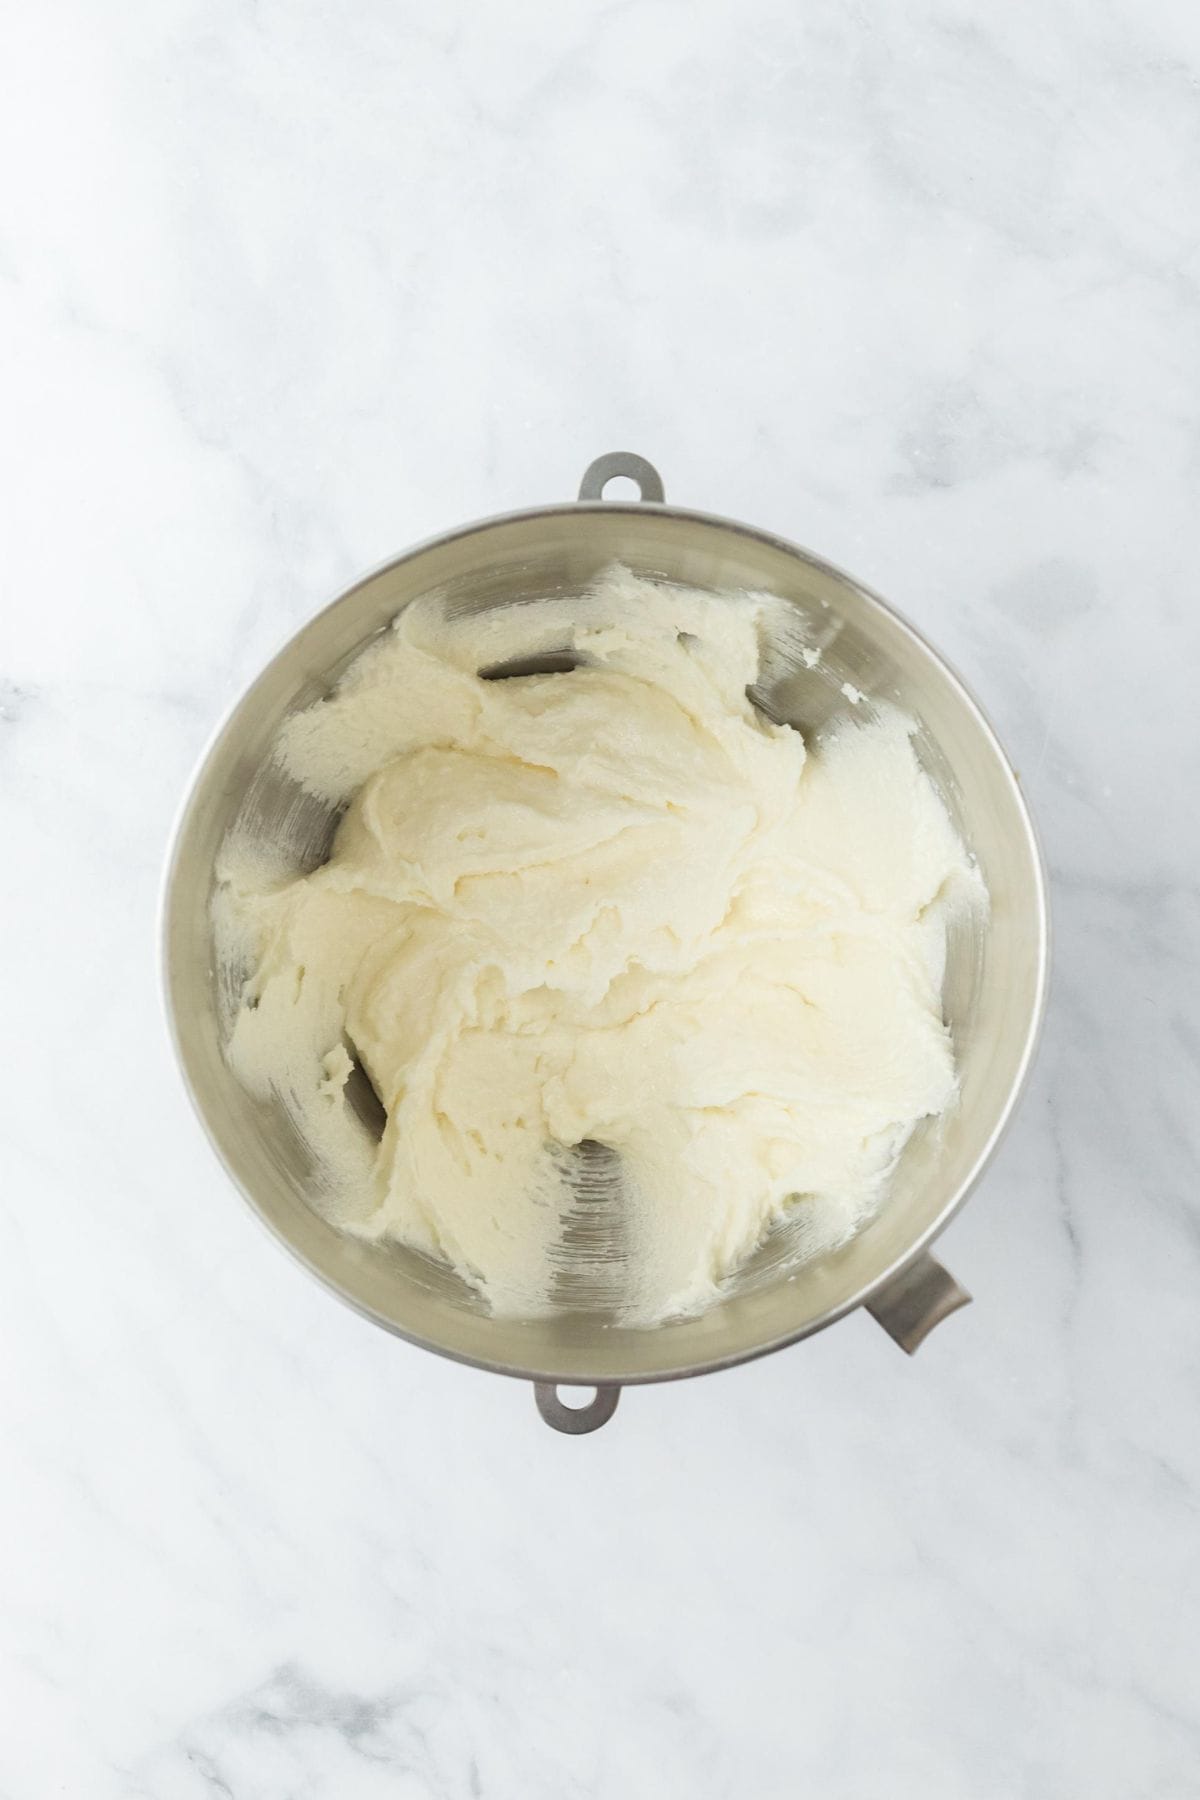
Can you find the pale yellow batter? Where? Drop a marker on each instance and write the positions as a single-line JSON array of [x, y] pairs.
[[614, 907]]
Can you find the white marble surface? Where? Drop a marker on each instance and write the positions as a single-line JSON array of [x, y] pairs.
[[284, 288]]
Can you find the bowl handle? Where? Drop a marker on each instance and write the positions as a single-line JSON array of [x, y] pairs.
[[575, 1419], [908, 1307], [913, 1302], [622, 462]]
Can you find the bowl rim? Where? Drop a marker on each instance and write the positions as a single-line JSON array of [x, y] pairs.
[[1039, 899]]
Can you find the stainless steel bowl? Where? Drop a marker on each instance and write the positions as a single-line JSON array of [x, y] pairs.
[[995, 977]]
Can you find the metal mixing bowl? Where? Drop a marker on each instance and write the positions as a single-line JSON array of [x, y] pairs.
[[995, 974]]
